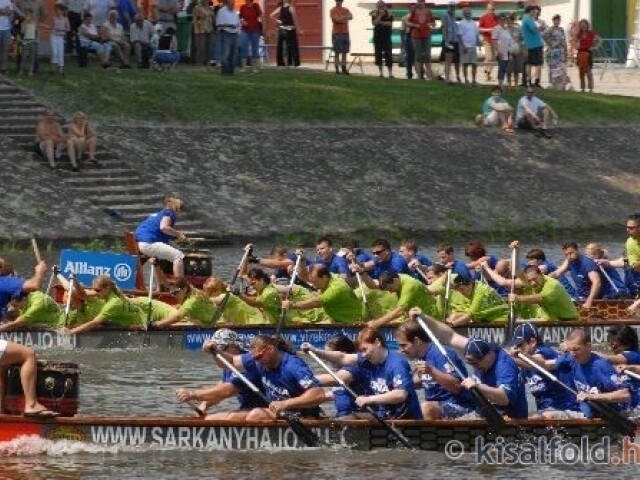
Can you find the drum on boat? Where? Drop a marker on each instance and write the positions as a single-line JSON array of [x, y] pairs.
[[57, 388], [197, 266]]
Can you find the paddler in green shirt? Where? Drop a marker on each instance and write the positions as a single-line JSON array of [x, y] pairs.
[[236, 312], [551, 300], [336, 298], [411, 293], [480, 303], [194, 306], [84, 306], [118, 311], [268, 300], [36, 309]]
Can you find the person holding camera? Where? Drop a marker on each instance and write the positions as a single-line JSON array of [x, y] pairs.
[[382, 22]]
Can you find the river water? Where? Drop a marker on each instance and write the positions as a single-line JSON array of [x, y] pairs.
[[142, 382]]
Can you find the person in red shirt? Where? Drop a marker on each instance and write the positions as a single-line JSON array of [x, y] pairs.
[[421, 21], [340, 17], [252, 20], [588, 40], [486, 24]]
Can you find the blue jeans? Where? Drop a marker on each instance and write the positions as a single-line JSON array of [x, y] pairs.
[[228, 48], [250, 39], [502, 69]]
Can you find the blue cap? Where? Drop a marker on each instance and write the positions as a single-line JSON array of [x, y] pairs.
[[523, 333], [477, 348]]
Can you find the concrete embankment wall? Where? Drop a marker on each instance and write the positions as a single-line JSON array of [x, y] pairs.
[[246, 181]]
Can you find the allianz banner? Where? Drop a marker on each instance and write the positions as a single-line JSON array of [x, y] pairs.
[[87, 265]]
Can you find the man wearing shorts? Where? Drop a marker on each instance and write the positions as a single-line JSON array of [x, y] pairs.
[[340, 17], [533, 114], [468, 31], [533, 40]]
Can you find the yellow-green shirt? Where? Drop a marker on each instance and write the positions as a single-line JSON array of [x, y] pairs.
[[90, 309], [40, 310], [199, 309], [120, 312], [556, 302], [237, 312], [159, 310], [341, 303], [484, 306]]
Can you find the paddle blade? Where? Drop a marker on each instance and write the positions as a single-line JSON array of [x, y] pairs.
[[221, 308], [307, 437], [616, 420], [489, 411]]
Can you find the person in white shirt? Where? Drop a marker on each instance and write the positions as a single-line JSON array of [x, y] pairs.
[[140, 35], [90, 39], [469, 36], [228, 25], [534, 114], [117, 39], [502, 41]]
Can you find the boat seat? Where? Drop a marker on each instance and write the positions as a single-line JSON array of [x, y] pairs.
[[131, 247]]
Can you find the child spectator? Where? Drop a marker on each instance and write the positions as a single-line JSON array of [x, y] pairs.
[[28, 44], [167, 55]]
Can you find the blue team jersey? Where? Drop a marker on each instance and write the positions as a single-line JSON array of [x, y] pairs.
[[461, 269], [548, 394], [247, 398], [433, 391], [149, 230], [425, 261], [10, 286], [633, 358], [335, 264], [363, 256], [607, 291], [290, 379], [505, 374], [579, 271], [392, 374], [345, 403], [396, 263], [595, 376], [632, 281], [283, 272]]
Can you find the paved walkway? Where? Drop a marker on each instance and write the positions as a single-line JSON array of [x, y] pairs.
[[615, 81]]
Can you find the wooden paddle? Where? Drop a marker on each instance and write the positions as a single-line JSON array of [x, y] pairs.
[[511, 322], [152, 274], [394, 431], [629, 373], [618, 422], [309, 438], [363, 293], [36, 250], [67, 307], [223, 304], [489, 411], [447, 295], [283, 311]]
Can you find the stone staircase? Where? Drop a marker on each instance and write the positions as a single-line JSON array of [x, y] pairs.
[[113, 185]]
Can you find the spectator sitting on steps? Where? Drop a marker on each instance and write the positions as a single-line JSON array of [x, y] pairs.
[[533, 114], [50, 139], [81, 137], [91, 39], [496, 112], [117, 39]]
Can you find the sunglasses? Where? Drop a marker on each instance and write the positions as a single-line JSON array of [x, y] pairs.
[[378, 252], [631, 227]]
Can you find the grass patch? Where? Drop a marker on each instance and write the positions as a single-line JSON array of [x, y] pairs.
[[193, 96]]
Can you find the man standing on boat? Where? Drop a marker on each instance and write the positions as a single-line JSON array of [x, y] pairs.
[[444, 395], [289, 383], [552, 401], [584, 272], [496, 374], [156, 232], [11, 352], [231, 386]]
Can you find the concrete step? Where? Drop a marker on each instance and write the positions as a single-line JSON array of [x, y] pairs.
[[14, 120], [130, 203], [107, 190], [35, 111]]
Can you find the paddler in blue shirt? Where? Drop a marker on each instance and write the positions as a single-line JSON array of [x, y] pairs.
[[445, 397], [495, 373], [552, 401], [231, 386], [156, 232], [584, 273]]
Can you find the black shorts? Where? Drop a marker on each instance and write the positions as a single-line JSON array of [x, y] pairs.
[[535, 57]]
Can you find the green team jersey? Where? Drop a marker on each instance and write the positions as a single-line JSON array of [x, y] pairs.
[[485, 305], [120, 312], [199, 309], [271, 305], [238, 312], [40, 310], [89, 310], [556, 302], [159, 310], [413, 293], [312, 315], [526, 310], [379, 302], [341, 303], [632, 246]]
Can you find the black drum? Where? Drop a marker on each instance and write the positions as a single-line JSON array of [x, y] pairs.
[[197, 266], [57, 388]]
